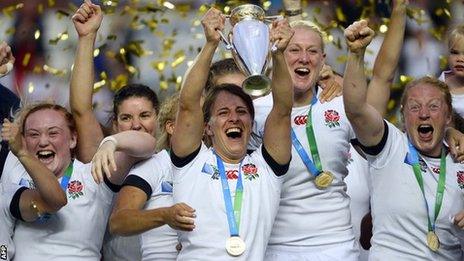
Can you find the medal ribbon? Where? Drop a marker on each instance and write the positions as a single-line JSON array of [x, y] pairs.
[[315, 168], [414, 160], [67, 176], [233, 213]]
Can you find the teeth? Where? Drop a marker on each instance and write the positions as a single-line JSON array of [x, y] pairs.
[[233, 130], [302, 70], [45, 153]]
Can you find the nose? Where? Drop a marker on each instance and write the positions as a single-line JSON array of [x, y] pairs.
[[136, 125], [460, 58], [424, 113], [43, 140], [233, 116], [303, 57]]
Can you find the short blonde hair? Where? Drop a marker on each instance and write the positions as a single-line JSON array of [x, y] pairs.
[[455, 32], [311, 26], [167, 112]]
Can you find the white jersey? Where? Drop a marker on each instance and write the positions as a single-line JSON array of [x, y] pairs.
[[398, 209], [154, 177], [76, 231], [358, 188], [310, 219], [7, 221], [458, 99], [198, 185]]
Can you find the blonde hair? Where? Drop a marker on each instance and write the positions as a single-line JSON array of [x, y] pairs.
[[311, 26], [455, 32], [167, 112]]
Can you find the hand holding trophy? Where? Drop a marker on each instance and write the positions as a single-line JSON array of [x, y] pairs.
[[250, 46]]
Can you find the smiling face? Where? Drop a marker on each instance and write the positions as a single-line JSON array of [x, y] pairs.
[[305, 58], [229, 126], [50, 139], [426, 114], [136, 113], [456, 55]]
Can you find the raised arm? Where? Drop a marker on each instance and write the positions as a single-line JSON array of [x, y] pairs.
[[365, 119], [87, 20], [48, 196], [189, 121], [119, 152], [277, 128], [386, 62]]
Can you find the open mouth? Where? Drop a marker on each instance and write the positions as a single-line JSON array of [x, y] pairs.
[[234, 133], [45, 156], [425, 131], [459, 67], [302, 71]]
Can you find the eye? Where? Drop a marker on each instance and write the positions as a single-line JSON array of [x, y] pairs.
[[53, 133], [313, 51], [434, 107], [454, 52], [125, 118], [146, 115], [414, 108], [32, 134], [294, 50], [242, 111]]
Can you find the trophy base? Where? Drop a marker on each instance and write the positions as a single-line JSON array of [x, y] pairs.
[[257, 85]]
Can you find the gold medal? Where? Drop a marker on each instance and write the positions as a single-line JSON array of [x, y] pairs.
[[235, 246], [324, 179], [432, 241]]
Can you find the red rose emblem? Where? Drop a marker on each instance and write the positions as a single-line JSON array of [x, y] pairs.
[[460, 175], [331, 116], [75, 186], [250, 169]]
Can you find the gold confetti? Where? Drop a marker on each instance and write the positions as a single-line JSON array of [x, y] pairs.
[[404, 79], [383, 28], [340, 15], [168, 5], [159, 65], [40, 9], [179, 57], [119, 82], [9, 10], [37, 34], [26, 59], [111, 37], [443, 62], [51, 3], [96, 52], [97, 86], [61, 37], [54, 71], [30, 88]]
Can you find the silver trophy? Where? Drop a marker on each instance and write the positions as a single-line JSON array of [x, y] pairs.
[[249, 43]]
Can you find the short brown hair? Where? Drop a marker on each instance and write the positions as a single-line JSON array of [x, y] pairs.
[[443, 87], [168, 111], [28, 109]]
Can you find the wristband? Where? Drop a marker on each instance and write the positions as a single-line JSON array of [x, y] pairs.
[[109, 138], [9, 67], [293, 12]]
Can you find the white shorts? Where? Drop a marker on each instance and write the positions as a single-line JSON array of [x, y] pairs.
[[341, 252]]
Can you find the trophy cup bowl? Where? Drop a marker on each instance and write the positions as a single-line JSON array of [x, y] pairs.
[[250, 47]]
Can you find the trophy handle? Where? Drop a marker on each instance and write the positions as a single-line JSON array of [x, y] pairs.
[[225, 41], [270, 19]]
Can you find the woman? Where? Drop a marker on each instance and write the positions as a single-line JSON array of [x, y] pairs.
[[22, 203], [416, 186], [77, 229], [135, 107], [228, 114], [144, 204]]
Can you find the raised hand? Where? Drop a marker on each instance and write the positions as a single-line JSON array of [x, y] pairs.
[[6, 59], [12, 135], [458, 219], [280, 34], [87, 18], [180, 217], [213, 21], [358, 36]]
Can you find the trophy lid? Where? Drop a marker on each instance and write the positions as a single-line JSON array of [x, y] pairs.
[[247, 11]]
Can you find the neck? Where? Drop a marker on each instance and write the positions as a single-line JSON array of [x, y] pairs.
[[62, 171], [229, 159], [303, 98]]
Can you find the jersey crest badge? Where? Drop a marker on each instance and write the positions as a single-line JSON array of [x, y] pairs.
[[166, 187], [250, 171], [332, 118], [460, 176], [75, 189], [210, 170]]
